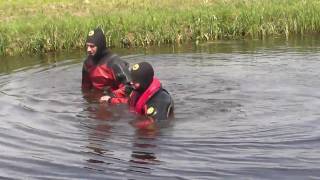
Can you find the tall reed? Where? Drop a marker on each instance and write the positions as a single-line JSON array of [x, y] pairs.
[[32, 26]]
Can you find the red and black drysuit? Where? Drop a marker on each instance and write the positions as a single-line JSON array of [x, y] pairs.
[[104, 70], [150, 100]]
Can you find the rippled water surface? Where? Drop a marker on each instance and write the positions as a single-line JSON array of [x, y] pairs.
[[244, 110]]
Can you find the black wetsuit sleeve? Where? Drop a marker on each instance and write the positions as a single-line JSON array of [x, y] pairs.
[[160, 107], [86, 82], [120, 69]]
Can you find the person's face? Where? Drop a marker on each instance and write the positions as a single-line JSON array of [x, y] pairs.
[[135, 85], [91, 49]]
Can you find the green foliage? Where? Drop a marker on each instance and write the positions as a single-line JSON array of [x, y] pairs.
[[40, 26]]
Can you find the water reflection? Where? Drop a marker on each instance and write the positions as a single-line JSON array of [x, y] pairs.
[[244, 110], [144, 153], [100, 129], [96, 140], [144, 146]]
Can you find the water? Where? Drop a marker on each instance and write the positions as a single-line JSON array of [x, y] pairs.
[[244, 110]]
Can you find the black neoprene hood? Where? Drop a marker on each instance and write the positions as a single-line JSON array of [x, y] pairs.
[[98, 38], [142, 73]]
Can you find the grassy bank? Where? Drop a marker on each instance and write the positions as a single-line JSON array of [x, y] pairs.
[[37, 26]]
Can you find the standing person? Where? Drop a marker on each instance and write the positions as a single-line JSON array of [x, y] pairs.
[[148, 98], [102, 69]]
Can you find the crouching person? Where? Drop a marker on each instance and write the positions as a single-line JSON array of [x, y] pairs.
[[147, 97]]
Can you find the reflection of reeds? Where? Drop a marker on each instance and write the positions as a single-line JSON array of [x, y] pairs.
[[50, 25]]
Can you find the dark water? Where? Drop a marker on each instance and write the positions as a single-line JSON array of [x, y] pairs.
[[244, 110]]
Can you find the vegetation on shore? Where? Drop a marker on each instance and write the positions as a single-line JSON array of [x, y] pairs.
[[38, 26]]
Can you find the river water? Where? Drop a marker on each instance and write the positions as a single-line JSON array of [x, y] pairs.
[[243, 110]]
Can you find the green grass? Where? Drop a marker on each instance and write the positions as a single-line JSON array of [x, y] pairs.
[[40, 26]]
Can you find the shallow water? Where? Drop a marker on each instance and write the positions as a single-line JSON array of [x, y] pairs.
[[244, 110]]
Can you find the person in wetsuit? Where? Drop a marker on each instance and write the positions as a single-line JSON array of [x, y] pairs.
[[148, 98], [102, 69]]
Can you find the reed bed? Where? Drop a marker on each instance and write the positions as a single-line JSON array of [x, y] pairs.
[[40, 26]]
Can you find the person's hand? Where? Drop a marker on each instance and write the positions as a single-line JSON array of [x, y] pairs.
[[104, 99]]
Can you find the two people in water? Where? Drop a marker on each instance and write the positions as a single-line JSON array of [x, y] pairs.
[[136, 86]]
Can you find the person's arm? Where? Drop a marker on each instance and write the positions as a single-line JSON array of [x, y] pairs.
[[160, 107], [119, 96], [154, 115], [86, 82], [114, 100], [121, 70], [118, 100], [121, 92], [159, 112]]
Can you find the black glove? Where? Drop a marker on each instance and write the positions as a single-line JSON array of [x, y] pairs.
[[128, 89]]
